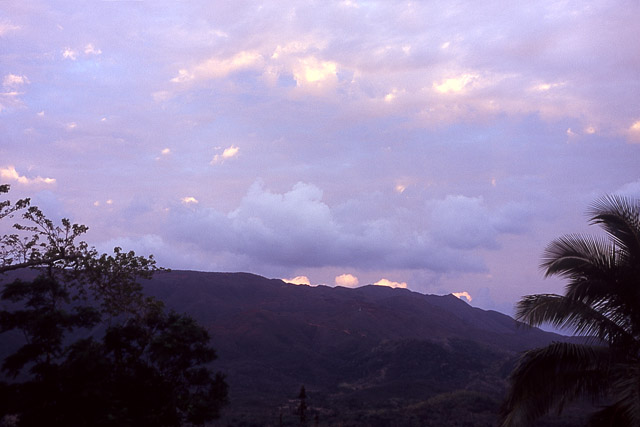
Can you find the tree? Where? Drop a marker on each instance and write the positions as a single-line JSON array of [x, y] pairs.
[[97, 351], [302, 407], [602, 303]]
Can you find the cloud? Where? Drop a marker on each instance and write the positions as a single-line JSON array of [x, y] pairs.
[[461, 295], [456, 84], [69, 53], [189, 200], [631, 189], [298, 280], [13, 81], [391, 284], [7, 27], [346, 280], [463, 222], [634, 132], [228, 153], [11, 174], [215, 68], [89, 49], [312, 70], [297, 229]]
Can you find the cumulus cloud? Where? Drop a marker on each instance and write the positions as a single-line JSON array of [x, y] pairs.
[[391, 284], [69, 53], [214, 68], [189, 200], [347, 280], [634, 132], [226, 154], [466, 222], [298, 229], [14, 80], [298, 280], [311, 70], [89, 49], [461, 295], [456, 84], [10, 173], [7, 27]]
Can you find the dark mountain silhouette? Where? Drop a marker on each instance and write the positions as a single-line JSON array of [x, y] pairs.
[[371, 352], [366, 356]]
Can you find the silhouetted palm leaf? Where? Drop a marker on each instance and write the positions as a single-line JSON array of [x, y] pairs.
[[602, 303]]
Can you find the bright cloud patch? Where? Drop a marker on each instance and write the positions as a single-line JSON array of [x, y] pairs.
[[7, 27], [13, 80], [315, 72], [10, 173], [298, 280], [217, 68], [544, 87], [69, 53], [391, 284], [634, 131], [91, 50], [228, 153], [189, 200], [461, 295], [455, 84], [347, 280]]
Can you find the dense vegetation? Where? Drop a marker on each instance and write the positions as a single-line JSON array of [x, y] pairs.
[[95, 350]]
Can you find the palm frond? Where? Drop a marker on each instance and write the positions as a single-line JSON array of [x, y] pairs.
[[626, 388], [567, 313], [553, 376], [575, 256], [620, 218], [597, 274]]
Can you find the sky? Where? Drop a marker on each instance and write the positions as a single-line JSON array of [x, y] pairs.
[[434, 145]]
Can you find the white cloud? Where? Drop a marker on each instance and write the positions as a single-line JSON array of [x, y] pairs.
[[10, 173], [347, 280], [89, 49], [311, 70], [298, 280], [13, 81], [7, 27], [69, 53], [183, 76], [189, 200], [391, 284], [456, 84], [215, 68], [545, 87], [461, 295], [227, 153], [314, 76], [634, 132]]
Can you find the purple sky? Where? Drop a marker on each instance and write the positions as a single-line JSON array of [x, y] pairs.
[[439, 145]]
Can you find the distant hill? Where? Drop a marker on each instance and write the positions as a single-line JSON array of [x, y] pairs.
[[366, 356], [370, 356]]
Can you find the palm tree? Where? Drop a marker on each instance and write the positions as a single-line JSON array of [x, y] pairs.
[[601, 303]]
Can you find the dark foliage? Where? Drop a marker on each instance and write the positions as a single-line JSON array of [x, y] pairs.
[[96, 351]]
